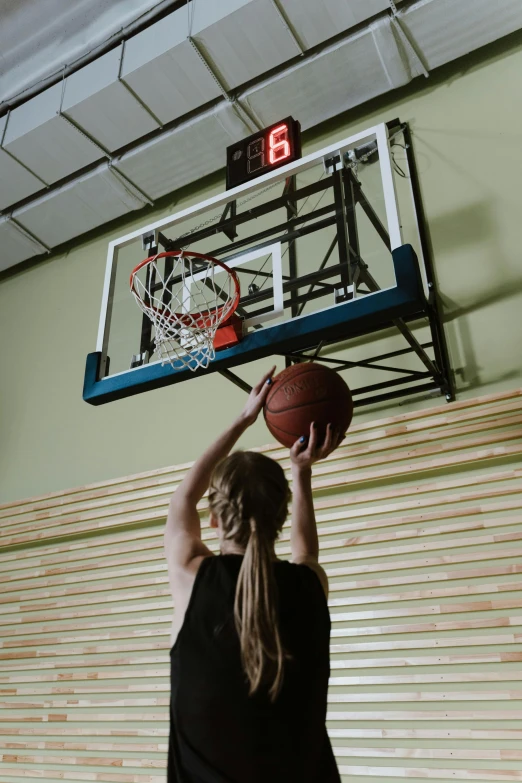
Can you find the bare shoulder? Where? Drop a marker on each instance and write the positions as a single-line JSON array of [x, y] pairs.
[[181, 581], [184, 556], [313, 563]]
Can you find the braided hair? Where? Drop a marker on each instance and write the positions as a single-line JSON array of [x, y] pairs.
[[249, 494]]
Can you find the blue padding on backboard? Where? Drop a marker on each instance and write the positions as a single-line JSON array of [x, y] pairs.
[[359, 316]]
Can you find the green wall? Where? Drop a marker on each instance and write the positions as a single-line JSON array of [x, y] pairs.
[[466, 121]]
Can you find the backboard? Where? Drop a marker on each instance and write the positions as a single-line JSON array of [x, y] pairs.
[[326, 249]]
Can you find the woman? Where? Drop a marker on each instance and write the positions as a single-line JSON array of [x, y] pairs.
[[250, 654]]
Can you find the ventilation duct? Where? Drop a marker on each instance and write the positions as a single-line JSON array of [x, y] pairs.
[[16, 244], [316, 21], [446, 29], [367, 64], [241, 39], [84, 204], [16, 182], [185, 154], [98, 102], [166, 72], [38, 136]]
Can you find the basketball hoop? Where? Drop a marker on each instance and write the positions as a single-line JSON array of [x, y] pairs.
[[185, 304]]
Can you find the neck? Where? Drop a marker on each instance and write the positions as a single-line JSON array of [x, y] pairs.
[[230, 548]]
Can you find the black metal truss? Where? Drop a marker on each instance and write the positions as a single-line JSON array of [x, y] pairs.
[[350, 268]]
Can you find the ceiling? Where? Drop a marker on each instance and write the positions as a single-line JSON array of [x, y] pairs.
[[39, 37], [131, 123]]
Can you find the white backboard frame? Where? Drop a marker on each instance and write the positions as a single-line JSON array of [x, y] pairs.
[[378, 133]]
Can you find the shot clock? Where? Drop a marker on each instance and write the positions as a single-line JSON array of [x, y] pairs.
[[264, 151]]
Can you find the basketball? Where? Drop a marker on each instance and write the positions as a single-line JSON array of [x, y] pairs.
[[306, 393]]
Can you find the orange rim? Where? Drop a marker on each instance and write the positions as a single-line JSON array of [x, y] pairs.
[[183, 318]]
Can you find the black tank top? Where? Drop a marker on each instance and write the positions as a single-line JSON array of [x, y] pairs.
[[220, 734]]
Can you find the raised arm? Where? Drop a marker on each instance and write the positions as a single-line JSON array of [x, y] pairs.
[[182, 535], [303, 536]]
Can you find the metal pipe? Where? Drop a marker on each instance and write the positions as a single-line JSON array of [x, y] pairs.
[[160, 10], [424, 387]]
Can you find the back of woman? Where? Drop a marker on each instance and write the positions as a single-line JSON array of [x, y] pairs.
[[250, 664], [220, 733]]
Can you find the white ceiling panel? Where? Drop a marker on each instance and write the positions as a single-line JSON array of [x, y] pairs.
[[44, 141], [185, 154], [316, 21], [80, 206], [16, 182], [242, 38], [101, 104], [165, 71], [16, 245], [344, 75], [445, 29], [39, 37]]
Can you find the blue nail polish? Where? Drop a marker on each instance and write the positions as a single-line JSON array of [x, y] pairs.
[[302, 439]]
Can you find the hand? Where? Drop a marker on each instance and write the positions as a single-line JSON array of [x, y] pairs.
[[257, 398], [306, 451]]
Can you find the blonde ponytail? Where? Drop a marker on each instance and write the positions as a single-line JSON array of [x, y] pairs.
[[249, 495], [255, 613]]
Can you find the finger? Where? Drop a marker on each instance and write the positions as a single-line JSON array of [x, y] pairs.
[[299, 446], [267, 385], [330, 440], [312, 443], [266, 380]]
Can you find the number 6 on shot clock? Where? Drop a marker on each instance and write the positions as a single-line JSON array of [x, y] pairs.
[[279, 144], [264, 151]]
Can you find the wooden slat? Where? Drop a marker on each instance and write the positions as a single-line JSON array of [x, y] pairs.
[[473, 458], [333, 699], [429, 753], [431, 734], [156, 509], [335, 544], [368, 732], [356, 680], [418, 715], [424, 660], [44, 616], [157, 544], [353, 663], [340, 751], [445, 560], [353, 499], [160, 643], [13, 606], [121, 582], [428, 772], [334, 715], [75, 775]]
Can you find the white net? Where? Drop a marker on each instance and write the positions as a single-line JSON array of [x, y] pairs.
[[179, 292]]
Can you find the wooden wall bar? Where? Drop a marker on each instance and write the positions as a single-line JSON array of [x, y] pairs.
[[420, 519]]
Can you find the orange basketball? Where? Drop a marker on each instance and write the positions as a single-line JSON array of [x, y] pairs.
[[306, 393]]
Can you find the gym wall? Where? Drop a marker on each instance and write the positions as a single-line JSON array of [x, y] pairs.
[[420, 528], [465, 119]]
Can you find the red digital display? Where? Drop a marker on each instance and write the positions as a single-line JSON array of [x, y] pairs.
[[279, 144], [263, 151]]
